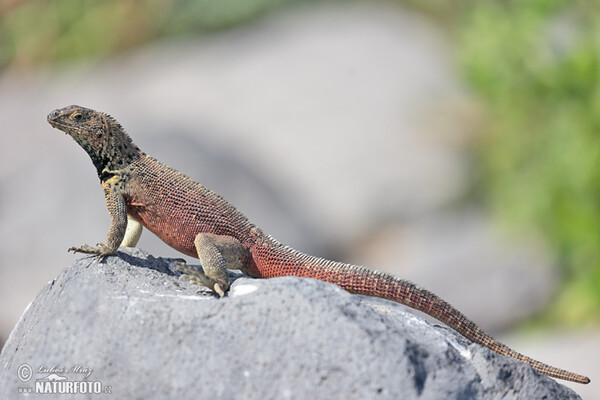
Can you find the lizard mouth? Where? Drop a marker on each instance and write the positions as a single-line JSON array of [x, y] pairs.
[[55, 124], [53, 119]]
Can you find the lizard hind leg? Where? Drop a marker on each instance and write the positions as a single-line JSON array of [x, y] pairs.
[[216, 254]]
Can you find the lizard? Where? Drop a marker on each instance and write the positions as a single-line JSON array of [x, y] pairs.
[[141, 192]]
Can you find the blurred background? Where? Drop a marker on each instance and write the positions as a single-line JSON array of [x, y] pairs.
[[452, 143]]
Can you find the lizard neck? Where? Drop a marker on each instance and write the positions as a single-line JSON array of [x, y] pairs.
[[116, 153]]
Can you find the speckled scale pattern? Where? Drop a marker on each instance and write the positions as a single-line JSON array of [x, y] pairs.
[[177, 209]]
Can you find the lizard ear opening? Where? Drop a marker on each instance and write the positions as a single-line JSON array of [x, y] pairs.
[[77, 116]]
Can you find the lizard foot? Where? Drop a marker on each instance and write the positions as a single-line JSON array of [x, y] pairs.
[[101, 251], [196, 276]]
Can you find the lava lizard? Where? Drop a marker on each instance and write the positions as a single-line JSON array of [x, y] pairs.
[[141, 191]]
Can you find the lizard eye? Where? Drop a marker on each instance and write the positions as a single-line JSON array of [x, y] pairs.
[[77, 117]]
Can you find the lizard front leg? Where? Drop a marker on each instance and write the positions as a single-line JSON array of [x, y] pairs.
[[216, 254], [118, 225]]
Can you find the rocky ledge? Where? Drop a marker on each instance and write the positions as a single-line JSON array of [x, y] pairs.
[[128, 326]]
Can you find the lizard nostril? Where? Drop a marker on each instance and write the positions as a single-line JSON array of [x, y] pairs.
[[53, 115]]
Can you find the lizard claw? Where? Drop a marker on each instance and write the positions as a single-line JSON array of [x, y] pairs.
[[220, 291], [101, 251], [86, 249], [196, 276]]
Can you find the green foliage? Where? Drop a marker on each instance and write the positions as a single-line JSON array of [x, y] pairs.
[[536, 64], [35, 32]]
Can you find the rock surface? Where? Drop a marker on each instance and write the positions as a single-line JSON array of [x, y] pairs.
[[143, 334]]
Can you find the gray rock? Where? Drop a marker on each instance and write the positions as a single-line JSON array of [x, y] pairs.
[[144, 334]]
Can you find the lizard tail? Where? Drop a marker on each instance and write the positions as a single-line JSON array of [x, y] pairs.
[[274, 259]]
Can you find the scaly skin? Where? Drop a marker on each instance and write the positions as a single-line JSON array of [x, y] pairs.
[[198, 222]]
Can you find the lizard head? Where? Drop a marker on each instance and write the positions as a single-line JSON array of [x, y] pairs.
[[99, 134]]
